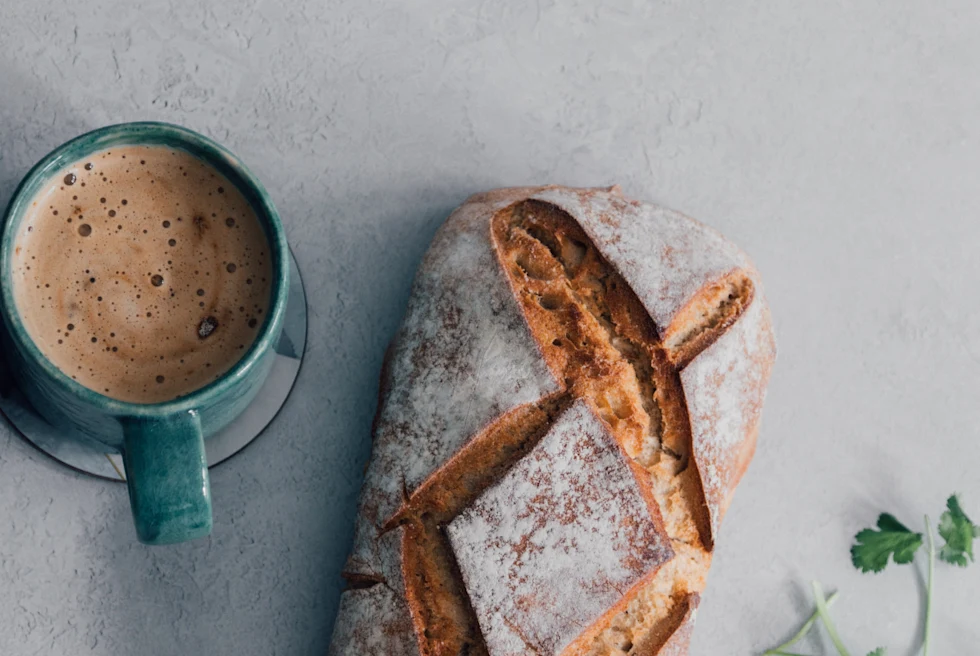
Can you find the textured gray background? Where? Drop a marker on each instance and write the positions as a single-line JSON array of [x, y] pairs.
[[838, 142]]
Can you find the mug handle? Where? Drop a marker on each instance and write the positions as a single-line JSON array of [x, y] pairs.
[[167, 477]]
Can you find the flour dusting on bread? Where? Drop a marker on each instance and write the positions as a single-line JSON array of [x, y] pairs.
[[567, 408], [556, 542]]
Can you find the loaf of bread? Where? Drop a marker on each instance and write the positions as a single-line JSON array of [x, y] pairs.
[[564, 414]]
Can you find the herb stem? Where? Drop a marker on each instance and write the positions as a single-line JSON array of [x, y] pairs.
[[781, 649], [825, 618], [932, 567]]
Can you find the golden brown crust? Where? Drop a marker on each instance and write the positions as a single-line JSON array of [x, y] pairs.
[[441, 613], [714, 309], [440, 609], [676, 638]]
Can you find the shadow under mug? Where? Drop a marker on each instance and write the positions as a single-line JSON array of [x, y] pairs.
[[162, 443]]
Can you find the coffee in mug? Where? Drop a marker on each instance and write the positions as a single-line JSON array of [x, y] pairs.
[[142, 273]]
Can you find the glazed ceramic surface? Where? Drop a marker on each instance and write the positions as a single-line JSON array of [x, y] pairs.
[[162, 443]]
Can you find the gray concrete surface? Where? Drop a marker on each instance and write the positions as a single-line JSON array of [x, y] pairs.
[[839, 143]]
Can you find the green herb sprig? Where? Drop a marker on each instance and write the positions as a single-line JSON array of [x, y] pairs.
[[872, 551]]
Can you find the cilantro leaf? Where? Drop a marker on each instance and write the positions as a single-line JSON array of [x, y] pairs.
[[880, 651], [871, 552], [958, 532]]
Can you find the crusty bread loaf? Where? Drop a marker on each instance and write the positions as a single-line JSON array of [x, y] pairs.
[[565, 412]]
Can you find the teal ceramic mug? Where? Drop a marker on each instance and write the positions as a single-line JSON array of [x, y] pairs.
[[162, 443]]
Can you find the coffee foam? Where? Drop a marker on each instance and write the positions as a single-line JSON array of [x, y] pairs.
[[142, 273]]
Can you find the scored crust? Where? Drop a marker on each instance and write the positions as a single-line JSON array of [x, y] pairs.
[[555, 542], [532, 306]]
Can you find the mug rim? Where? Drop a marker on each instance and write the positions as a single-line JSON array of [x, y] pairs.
[[263, 206]]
